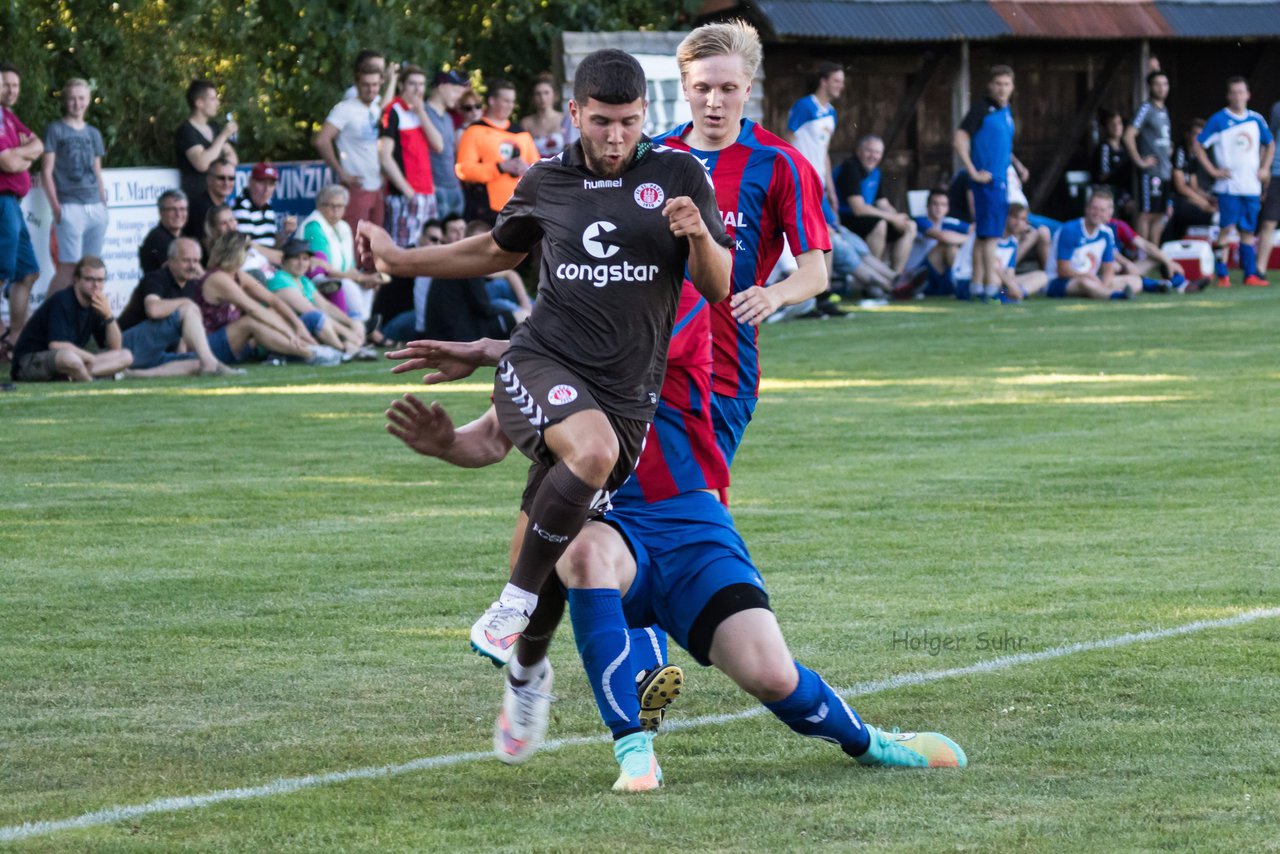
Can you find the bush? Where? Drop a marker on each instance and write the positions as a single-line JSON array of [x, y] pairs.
[[279, 65]]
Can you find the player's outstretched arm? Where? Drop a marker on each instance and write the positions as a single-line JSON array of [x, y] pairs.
[[710, 264], [429, 430], [452, 360], [479, 255], [753, 305]]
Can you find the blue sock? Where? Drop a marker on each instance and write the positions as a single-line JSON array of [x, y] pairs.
[[600, 631], [648, 648], [1178, 280], [1150, 286], [1220, 262], [1119, 295], [962, 290], [1249, 259], [815, 711]]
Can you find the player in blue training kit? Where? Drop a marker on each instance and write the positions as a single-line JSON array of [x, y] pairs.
[[668, 554], [939, 239], [1243, 148], [1084, 255], [984, 143]]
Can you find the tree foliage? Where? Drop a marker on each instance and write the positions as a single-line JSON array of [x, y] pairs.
[[279, 64]]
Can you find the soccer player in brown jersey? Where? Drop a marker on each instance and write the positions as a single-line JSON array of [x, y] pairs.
[[618, 221]]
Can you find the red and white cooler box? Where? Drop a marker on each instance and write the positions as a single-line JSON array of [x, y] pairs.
[[1195, 256]]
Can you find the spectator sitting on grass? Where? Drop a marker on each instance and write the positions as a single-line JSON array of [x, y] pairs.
[[162, 327], [939, 240], [1015, 286], [52, 342], [220, 220], [1084, 255], [240, 314], [333, 250], [329, 324], [154, 250], [507, 294]]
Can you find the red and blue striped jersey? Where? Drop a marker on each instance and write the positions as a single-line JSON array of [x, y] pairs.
[[766, 191], [680, 453]]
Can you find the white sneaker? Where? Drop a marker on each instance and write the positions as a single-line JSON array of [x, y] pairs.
[[522, 723], [494, 635], [323, 356]]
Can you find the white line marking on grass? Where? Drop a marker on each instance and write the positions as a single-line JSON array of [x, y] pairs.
[[286, 785]]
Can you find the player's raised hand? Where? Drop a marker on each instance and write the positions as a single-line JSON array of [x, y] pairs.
[[684, 217], [452, 360], [426, 429], [372, 246]]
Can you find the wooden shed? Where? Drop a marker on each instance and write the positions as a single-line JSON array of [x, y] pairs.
[[913, 67]]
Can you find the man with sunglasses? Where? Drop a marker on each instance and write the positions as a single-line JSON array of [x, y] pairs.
[[220, 185]]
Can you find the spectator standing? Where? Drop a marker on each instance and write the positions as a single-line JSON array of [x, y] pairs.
[[1243, 149], [174, 212], [548, 126], [1270, 203], [1149, 142], [71, 175], [255, 216], [390, 74], [220, 185], [867, 212], [52, 343], [19, 148], [200, 141], [984, 143], [1112, 163], [812, 122], [406, 140], [491, 154], [348, 143], [446, 90]]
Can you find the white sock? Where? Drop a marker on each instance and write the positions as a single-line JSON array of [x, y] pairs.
[[516, 597], [522, 674]]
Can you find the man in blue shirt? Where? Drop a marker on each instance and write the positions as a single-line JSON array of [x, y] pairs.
[[1084, 253], [940, 238], [1242, 152], [812, 121], [866, 211], [984, 144]]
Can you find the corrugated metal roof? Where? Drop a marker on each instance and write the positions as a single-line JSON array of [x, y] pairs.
[[1083, 20], [1222, 20], [883, 21], [980, 20]]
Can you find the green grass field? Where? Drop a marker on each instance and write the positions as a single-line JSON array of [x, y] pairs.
[[216, 585]]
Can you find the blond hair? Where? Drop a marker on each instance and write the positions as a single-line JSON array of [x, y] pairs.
[[728, 38], [228, 252]]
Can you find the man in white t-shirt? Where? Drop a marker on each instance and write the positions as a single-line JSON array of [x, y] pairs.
[[812, 121], [348, 142]]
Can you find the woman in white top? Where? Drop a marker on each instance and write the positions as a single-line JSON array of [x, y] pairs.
[[550, 128], [334, 246]]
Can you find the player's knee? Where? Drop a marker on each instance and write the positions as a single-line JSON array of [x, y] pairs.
[[909, 231], [588, 564], [593, 460], [770, 682]]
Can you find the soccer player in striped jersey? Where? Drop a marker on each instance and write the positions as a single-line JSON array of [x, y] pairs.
[[767, 193]]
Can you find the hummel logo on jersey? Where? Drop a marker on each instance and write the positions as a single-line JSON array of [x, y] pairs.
[[598, 248], [601, 184]]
